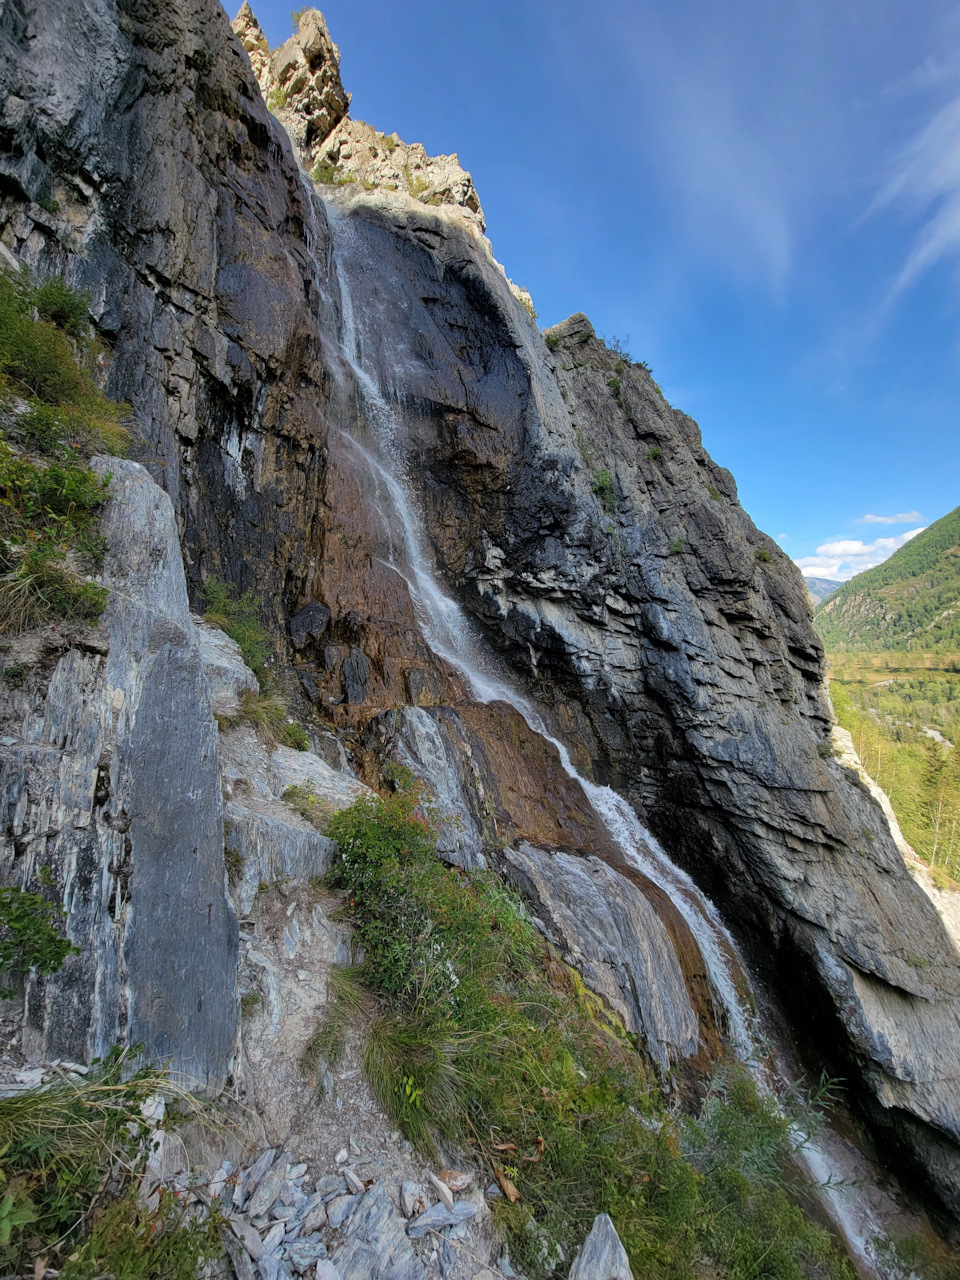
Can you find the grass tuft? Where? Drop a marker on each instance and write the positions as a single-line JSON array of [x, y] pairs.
[[316, 810], [479, 1037], [71, 1155], [268, 714]]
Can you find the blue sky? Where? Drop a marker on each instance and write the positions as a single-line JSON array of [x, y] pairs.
[[764, 197]]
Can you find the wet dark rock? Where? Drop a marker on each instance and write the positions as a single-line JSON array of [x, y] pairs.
[[309, 624], [615, 938]]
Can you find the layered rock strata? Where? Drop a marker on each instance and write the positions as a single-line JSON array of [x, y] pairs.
[[110, 778], [570, 508]]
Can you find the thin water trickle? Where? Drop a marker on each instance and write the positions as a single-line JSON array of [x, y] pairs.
[[452, 636]]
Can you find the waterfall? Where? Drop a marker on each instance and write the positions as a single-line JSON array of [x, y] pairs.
[[451, 635]]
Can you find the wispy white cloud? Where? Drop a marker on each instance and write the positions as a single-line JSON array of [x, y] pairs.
[[902, 517], [925, 179], [845, 557]]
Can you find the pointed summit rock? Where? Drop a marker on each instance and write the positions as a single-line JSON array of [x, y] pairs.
[[250, 34], [300, 81], [301, 85]]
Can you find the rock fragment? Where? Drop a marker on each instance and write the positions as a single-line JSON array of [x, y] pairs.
[[602, 1256]]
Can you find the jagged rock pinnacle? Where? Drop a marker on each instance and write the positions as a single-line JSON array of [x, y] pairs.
[[301, 85]]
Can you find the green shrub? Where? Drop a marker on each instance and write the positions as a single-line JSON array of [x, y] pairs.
[[715, 494], [238, 616], [678, 546], [133, 1242], [277, 99], [477, 1035], [62, 305], [30, 937], [763, 555], [35, 355], [389, 141], [295, 17], [325, 174], [70, 1157], [654, 453], [740, 1146], [614, 385], [602, 486], [552, 341]]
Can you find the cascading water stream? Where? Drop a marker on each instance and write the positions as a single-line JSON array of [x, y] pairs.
[[451, 635]]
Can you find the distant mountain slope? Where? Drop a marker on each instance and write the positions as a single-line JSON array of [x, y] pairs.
[[820, 588], [911, 601]]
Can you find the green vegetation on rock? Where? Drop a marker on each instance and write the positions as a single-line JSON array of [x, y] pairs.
[[71, 1154], [52, 420], [30, 936], [238, 616], [478, 1035], [602, 486]]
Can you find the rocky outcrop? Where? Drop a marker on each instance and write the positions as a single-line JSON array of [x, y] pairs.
[[570, 508], [608, 930], [578, 517], [602, 1257], [110, 778], [300, 83]]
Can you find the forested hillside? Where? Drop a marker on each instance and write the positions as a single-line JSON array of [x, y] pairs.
[[893, 639], [911, 601]]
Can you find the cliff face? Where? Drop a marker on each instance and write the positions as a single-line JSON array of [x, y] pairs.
[[569, 509]]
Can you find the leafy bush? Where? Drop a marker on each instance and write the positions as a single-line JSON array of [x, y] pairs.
[[654, 452], [614, 385], [238, 617], [62, 305], [70, 1156], [678, 546], [763, 555], [552, 341], [29, 937], [602, 486], [478, 1035]]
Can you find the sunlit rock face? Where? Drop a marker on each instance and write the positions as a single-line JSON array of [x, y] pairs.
[[600, 551]]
